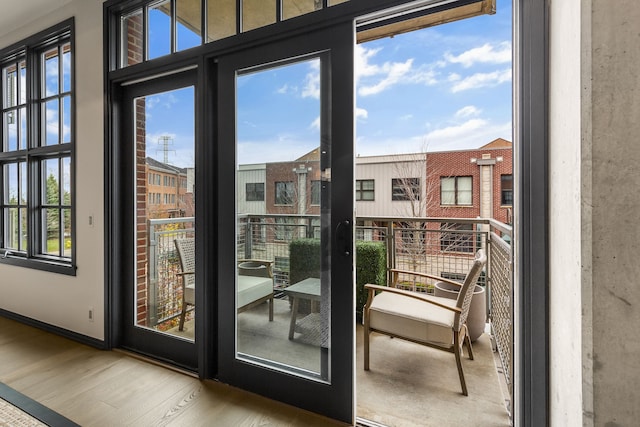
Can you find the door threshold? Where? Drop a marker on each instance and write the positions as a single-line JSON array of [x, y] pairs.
[[156, 362], [363, 422]]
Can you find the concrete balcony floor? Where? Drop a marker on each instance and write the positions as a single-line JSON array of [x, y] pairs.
[[408, 384]]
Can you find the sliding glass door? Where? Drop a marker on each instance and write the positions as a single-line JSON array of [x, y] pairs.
[[285, 280]]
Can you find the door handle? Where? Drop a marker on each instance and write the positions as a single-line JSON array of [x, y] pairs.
[[343, 237]]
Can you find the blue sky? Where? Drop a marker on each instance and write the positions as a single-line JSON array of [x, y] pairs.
[[442, 88]]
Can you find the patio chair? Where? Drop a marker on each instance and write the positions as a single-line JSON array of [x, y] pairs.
[[255, 284], [187, 253], [413, 316]]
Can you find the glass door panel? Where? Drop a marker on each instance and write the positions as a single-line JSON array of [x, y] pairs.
[[285, 208], [282, 275], [157, 244], [165, 219]]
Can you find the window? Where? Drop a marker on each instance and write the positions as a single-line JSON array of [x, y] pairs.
[[456, 237], [506, 190], [283, 231], [284, 193], [255, 191], [162, 27], [405, 189], [365, 189], [456, 191], [36, 204], [316, 188]]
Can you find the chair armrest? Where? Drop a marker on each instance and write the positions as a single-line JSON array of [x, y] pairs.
[[427, 275], [414, 295]]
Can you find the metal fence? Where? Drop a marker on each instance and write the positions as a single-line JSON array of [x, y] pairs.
[[164, 286], [441, 246], [501, 297]]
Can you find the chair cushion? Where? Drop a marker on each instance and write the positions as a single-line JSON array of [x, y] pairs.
[[410, 318], [190, 294], [251, 288]]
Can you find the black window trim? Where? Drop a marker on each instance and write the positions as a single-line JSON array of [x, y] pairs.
[[30, 48], [404, 197], [254, 191], [360, 191]]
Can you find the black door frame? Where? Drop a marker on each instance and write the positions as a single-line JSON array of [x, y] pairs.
[[531, 347], [165, 347], [335, 48]]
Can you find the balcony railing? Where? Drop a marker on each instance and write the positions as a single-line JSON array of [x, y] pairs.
[[440, 246]]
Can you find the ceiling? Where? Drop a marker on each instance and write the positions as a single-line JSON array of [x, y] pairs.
[[22, 12]]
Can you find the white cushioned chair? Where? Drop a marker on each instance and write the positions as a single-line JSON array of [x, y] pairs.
[[424, 319]]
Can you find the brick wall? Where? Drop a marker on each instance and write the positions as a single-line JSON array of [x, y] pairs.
[[458, 163], [141, 214]]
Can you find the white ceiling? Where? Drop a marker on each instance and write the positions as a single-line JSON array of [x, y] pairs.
[[18, 13]]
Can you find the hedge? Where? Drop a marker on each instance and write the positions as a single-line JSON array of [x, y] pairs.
[[371, 265]]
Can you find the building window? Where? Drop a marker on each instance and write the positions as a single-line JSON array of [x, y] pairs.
[[284, 193], [36, 203], [456, 191], [255, 191], [456, 237], [365, 190], [316, 188], [283, 231], [405, 189], [506, 190], [162, 27]]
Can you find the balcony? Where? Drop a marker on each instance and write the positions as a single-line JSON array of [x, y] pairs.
[[405, 378]]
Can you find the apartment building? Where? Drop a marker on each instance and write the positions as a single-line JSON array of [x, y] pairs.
[[576, 156], [167, 190]]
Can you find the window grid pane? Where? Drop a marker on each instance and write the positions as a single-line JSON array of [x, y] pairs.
[[189, 23], [159, 29], [52, 121], [14, 130], [221, 21]]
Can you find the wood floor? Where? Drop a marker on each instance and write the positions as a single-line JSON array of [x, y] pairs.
[[106, 388]]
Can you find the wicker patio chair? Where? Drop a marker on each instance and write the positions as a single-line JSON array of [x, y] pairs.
[[186, 252], [432, 321]]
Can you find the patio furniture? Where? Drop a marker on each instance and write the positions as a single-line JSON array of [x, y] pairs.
[[255, 284], [432, 321], [308, 289], [186, 253]]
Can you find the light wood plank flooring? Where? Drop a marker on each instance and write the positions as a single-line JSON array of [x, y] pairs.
[[106, 388]]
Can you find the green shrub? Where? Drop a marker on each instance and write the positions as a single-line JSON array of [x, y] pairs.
[[304, 259], [371, 267]]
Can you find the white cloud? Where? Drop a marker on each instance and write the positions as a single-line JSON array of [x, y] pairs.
[[283, 89], [361, 113], [315, 125], [392, 74], [479, 80], [406, 117], [487, 53], [311, 87], [473, 133], [372, 79], [467, 111]]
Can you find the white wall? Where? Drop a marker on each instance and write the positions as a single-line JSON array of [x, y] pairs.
[[594, 158], [248, 174], [615, 130], [61, 300], [565, 270], [382, 169]]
